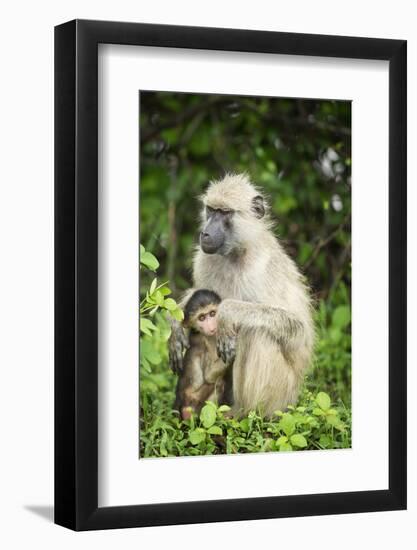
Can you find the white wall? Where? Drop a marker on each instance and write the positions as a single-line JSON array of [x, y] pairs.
[[26, 299]]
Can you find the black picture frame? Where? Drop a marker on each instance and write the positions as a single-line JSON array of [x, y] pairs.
[[76, 272]]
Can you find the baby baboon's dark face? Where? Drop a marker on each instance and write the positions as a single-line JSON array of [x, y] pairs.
[[206, 320], [200, 312], [217, 232]]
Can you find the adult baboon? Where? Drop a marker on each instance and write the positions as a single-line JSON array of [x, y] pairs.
[[265, 322]]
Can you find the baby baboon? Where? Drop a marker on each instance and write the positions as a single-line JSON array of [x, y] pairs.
[[265, 318], [202, 378]]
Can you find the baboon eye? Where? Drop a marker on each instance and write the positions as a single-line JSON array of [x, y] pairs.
[[212, 313], [209, 211], [227, 216], [201, 318]]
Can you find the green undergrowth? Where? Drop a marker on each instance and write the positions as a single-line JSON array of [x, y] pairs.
[[315, 423]]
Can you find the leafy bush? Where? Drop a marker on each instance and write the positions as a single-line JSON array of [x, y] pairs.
[[315, 423], [332, 364], [154, 306]]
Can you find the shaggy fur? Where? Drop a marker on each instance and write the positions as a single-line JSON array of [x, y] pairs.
[[265, 303]]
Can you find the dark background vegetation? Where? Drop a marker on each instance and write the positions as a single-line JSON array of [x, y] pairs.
[[299, 152]]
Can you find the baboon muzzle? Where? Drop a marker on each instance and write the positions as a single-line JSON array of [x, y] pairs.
[[212, 237]]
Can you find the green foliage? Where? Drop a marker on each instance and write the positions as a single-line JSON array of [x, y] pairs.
[[314, 424], [148, 260], [155, 298], [153, 307], [331, 372]]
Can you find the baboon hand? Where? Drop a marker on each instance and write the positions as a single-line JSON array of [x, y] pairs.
[[226, 348], [226, 340], [178, 342]]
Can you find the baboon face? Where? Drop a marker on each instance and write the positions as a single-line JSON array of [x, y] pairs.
[[200, 311], [216, 235], [227, 229], [206, 321]]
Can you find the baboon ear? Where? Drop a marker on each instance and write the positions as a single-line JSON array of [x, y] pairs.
[[258, 207]]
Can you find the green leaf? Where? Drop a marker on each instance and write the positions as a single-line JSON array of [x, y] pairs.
[[335, 334], [215, 430], [177, 314], [298, 440], [271, 166], [152, 356], [153, 286], [323, 401], [208, 416], [223, 408], [164, 290], [197, 436], [341, 426], [146, 331], [318, 412], [158, 297], [325, 441], [287, 424], [244, 425], [149, 261], [332, 419], [281, 440], [145, 365], [146, 326], [148, 353], [341, 317], [285, 447], [170, 304], [164, 331]]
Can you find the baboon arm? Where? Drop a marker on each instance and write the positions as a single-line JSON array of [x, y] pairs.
[[179, 339], [279, 322], [235, 314]]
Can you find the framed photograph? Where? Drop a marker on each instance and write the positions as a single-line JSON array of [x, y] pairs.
[[230, 284]]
